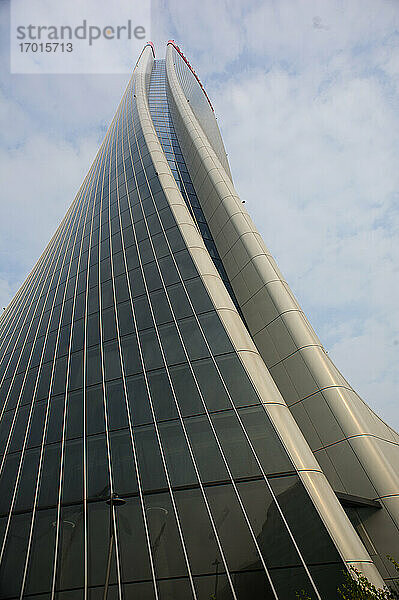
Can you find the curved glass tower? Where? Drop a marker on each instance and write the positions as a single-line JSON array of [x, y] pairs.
[[170, 425]]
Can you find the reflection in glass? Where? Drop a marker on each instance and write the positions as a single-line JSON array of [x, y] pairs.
[[303, 520], [178, 459], [187, 396], [151, 468], [11, 571], [164, 536], [211, 386], [271, 533], [70, 566], [41, 559], [206, 451], [235, 445], [123, 468], [200, 540], [132, 541], [240, 551], [161, 395], [98, 543], [267, 445]]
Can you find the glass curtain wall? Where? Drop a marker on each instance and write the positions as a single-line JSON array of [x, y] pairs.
[[136, 460]]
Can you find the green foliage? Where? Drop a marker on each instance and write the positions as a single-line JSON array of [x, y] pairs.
[[393, 561], [358, 587], [302, 595]]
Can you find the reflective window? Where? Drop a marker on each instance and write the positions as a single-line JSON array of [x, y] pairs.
[[303, 520], [116, 405], [123, 468], [171, 344], [37, 424], [42, 552], [211, 385], [193, 339], [135, 563], [241, 391], [186, 391], [95, 420], [74, 424], [235, 445], [28, 480], [97, 468], [72, 485], [151, 350], [12, 567], [151, 468], [123, 333], [178, 460], [49, 481], [139, 404], [70, 571], [206, 451], [164, 535], [240, 551], [162, 395], [265, 441]]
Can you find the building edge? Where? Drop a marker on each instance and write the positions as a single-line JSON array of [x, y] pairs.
[[334, 518], [250, 265]]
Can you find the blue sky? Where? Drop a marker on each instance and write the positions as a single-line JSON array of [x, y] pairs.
[[307, 98]]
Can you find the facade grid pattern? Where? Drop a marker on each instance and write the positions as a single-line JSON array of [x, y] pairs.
[[158, 104], [117, 377]]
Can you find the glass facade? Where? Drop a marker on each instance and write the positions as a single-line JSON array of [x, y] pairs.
[[158, 103], [136, 459]]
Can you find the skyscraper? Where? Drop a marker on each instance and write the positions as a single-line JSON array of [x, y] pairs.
[[170, 424]]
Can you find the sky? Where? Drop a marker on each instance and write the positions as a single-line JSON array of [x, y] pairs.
[[307, 99]]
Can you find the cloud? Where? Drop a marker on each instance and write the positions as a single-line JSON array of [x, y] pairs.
[[312, 140], [371, 357], [216, 35], [307, 96], [41, 177], [286, 31], [5, 293]]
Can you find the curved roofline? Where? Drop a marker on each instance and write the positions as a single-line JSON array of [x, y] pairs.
[[176, 47], [144, 47], [152, 47]]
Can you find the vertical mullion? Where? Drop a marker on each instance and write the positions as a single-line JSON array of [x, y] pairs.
[[213, 525], [246, 436], [85, 515], [148, 387], [15, 309], [76, 220], [132, 436], [147, 384], [54, 258], [60, 487], [112, 508], [204, 405], [261, 468], [49, 278], [109, 160], [34, 294]]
